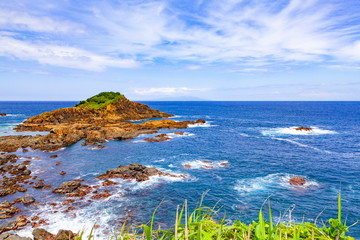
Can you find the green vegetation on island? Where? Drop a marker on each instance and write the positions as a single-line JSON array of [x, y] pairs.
[[201, 225], [100, 100]]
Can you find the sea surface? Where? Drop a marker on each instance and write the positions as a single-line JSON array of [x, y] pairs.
[[254, 140]]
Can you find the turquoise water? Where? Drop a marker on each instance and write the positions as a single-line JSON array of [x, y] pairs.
[[255, 139]]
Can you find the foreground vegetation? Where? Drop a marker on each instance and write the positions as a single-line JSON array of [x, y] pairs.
[[101, 100], [201, 225]]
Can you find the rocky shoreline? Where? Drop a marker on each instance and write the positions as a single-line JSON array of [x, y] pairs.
[[66, 127]]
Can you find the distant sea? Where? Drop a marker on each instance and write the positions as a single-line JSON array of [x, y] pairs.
[[255, 139]]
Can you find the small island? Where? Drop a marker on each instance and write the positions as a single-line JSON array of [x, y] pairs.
[[105, 116]]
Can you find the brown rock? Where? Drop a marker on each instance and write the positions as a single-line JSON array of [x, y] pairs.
[[53, 156], [64, 235], [158, 138], [39, 184], [133, 171], [28, 199], [42, 234], [62, 173], [179, 133], [297, 181], [68, 187], [8, 236], [187, 166], [109, 183], [303, 129], [2, 114]]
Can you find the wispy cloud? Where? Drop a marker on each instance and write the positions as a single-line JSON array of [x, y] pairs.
[[201, 33], [60, 55], [168, 90]]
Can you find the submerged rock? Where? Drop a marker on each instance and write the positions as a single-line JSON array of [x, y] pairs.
[[297, 181], [3, 114]]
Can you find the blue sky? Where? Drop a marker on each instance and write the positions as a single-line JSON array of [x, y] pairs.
[[214, 50]]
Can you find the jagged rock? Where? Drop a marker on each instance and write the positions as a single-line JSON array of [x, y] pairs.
[[21, 221], [9, 212], [67, 126], [8, 236], [5, 204], [158, 138], [42, 234], [27, 199], [39, 184], [298, 181], [68, 187], [64, 235], [134, 171], [303, 129]]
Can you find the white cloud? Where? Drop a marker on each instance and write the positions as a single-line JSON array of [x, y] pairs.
[[20, 20], [167, 90], [60, 55], [229, 32]]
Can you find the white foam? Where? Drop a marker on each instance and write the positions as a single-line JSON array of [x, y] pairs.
[[199, 164], [186, 134], [271, 181], [303, 145], [206, 124], [293, 131]]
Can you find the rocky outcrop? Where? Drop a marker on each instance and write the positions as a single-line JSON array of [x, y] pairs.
[[297, 181], [2, 114], [134, 171], [68, 126], [122, 110], [158, 138], [303, 129], [68, 187]]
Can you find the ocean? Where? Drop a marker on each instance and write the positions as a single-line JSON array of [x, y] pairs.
[[244, 154]]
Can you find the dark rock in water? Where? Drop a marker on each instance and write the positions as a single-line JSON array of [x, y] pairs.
[[54, 156], [62, 173], [297, 181], [8, 236], [64, 235], [6, 191], [303, 129], [39, 184], [42, 234], [158, 138], [27, 199], [68, 187], [134, 171], [2, 114]]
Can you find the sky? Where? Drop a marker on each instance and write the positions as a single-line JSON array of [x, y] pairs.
[[229, 50]]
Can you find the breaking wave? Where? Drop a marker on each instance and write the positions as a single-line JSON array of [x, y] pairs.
[[294, 131], [271, 182]]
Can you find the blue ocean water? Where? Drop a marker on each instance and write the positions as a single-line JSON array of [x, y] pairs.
[[246, 152]]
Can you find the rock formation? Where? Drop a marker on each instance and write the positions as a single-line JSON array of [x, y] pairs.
[[67, 126], [297, 181], [2, 114], [303, 129], [134, 171]]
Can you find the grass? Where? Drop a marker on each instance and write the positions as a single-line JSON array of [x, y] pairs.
[[201, 225], [101, 100]]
